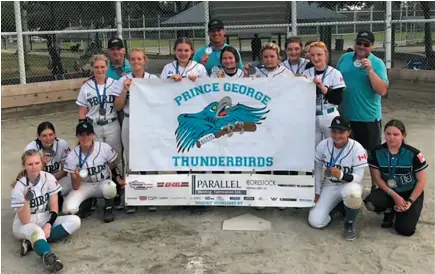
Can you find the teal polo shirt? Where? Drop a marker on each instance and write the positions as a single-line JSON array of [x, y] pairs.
[[111, 71], [214, 58], [360, 102]]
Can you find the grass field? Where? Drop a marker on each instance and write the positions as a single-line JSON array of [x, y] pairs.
[[38, 58]]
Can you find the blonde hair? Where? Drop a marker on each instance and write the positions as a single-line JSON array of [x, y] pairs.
[[99, 57], [27, 154], [271, 46], [145, 57]]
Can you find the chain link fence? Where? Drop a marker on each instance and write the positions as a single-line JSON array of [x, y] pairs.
[[60, 37]]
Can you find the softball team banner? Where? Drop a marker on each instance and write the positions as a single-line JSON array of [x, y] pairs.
[[222, 124], [220, 190]]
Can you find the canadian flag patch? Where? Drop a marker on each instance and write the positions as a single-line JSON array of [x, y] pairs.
[[362, 157], [57, 182], [341, 79], [421, 158]]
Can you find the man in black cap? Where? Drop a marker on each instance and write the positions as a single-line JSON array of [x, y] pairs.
[[210, 54], [366, 81], [118, 64]]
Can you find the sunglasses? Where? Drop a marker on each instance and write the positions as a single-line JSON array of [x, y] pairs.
[[365, 44], [318, 44]]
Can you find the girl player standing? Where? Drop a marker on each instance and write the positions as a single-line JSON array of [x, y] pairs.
[[183, 66], [294, 61]]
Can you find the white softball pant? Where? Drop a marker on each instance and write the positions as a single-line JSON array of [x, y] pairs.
[[33, 230], [330, 197], [103, 189], [125, 140], [111, 134], [323, 122]]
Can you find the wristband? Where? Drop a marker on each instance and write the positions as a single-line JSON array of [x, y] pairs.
[[52, 217], [82, 120], [410, 200], [389, 192]]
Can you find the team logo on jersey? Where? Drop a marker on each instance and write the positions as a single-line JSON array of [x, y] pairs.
[[216, 120]]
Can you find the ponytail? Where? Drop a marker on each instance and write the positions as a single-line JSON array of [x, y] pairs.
[[26, 154]]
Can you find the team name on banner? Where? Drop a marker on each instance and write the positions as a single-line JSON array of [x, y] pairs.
[[243, 124]]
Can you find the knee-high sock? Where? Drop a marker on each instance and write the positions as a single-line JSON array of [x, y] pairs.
[[41, 247], [351, 214], [57, 233]]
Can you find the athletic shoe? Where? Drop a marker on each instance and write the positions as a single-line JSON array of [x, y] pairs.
[[349, 231], [26, 246], [121, 204], [130, 209], [108, 214], [52, 262], [388, 220], [94, 204]]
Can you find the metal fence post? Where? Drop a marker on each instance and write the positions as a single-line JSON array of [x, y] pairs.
[[294, 18], [118, 19], [20, 44], [388, 44], [206, 20]]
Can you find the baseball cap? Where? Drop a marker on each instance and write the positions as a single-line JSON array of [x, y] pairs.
[[115, 43], [84, 127], [340, 122], [215, 24], [366, 35]]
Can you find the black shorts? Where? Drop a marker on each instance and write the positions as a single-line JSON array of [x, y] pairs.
[[368, 134]]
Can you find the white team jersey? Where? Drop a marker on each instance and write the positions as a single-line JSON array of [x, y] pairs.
[[332, 78], [89, 98], [193, 68], [352, 160], [119, 91], [61, 150], [44, 188], [97, 162], [298, 68], [239, 74], [278, 72]]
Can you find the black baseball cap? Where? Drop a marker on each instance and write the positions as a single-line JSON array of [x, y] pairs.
[[215, 24], [115, 42], [341, 123], [84, 127], [365, 36]]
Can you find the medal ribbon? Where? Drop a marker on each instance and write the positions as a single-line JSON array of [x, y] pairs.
[[177, 71], [299, 66], [86, 157], [101, 98], [334, 160], [36, 180], [392, 164]]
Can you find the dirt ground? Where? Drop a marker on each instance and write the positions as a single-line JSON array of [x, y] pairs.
[[177, 242]]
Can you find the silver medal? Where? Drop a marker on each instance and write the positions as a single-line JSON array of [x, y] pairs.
[[392, 183], [208, 50], [357, 63], [83, 173], [252, 69], [29, 195], [102, 111]]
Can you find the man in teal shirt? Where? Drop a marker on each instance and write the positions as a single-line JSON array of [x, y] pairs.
[[118, 64], [216, 31], [366, 81]]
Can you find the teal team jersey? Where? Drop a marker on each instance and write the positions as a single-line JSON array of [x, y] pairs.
[[113, 73], [409, 162], [214, 58], [360, 102]]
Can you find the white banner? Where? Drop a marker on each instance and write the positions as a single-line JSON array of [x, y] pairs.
[[222, 124], [220, 190]]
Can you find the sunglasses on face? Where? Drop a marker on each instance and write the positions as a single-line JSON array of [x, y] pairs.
[[365, 44]]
